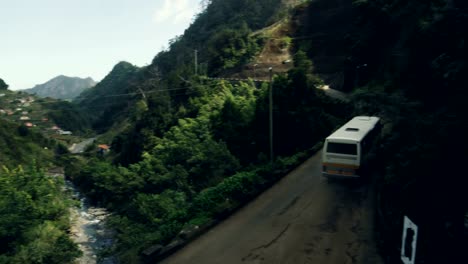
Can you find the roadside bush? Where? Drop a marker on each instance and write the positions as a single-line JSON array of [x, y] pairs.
[[236, 188], [220, 200]]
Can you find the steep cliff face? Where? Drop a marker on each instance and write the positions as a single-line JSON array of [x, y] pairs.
[[323, 28], [62, 87]]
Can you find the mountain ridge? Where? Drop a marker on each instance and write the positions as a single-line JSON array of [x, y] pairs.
[[62, 87]]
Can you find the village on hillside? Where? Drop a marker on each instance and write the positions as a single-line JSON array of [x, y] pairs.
[[23, 108], [32, 112]]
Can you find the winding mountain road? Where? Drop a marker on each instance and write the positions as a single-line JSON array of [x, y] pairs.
[[304, 218]]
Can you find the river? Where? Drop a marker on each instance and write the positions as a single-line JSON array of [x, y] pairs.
[[88, 229]]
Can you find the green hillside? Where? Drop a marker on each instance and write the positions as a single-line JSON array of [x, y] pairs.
[[29, 129], [43, 113], [106, 102], [189, 139], [18, 145], [192, 142], [221, 35], [187, 149], [34, 211]]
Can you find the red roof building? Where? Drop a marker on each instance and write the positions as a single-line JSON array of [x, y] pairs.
[[104, 147]]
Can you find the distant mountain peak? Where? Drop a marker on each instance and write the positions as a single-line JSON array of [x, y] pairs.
[[62, 87], [123, 65]]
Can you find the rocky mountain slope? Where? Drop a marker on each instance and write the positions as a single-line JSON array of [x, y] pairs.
[[62, 87]]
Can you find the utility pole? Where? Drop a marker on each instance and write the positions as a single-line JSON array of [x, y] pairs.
[[196, 62], [271, 114], [142, 93], [254, 66]]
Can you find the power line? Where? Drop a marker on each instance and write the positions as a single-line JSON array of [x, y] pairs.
[[146, 92], [158, 91], [155, 91], [106, 104], [124, 94]]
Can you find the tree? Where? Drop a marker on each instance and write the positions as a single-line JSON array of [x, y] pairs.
[[231, 47], [34, 219], [301, 61], [3, 85]]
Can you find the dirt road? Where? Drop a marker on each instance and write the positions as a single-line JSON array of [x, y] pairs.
[[302, 219]]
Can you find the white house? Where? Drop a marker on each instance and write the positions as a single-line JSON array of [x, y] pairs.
[[64, 132]]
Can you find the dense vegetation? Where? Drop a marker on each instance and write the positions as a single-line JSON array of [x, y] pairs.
[[194, 149], [68, 116], [186, 164], [34, 219], [34, 210], [19, 145], [220, 34], [108, 101], [416, 79]]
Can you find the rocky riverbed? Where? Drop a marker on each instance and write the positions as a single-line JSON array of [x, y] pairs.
[[88, 229]]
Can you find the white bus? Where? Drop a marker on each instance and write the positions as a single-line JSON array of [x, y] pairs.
[[345, 150]]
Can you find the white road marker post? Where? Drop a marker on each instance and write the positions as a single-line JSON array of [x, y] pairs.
[[408, 241]]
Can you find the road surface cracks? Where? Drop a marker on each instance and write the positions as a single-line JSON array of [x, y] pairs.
[[253, 256], [304, 218]]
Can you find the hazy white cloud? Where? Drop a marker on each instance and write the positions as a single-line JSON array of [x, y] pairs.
[[175, 11]]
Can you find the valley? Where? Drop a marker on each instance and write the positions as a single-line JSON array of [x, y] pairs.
[[211, 152]]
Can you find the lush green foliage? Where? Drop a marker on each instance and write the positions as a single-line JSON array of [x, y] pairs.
[[196, 149], [229, 48], [20, 145], [220, 200], [182, 173], [108, 100], [221, 34], [151, 119], [173, 166], [34, 219], [303, 114], [68, 116]]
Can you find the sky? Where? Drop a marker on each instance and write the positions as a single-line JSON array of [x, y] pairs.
[[40, 40]]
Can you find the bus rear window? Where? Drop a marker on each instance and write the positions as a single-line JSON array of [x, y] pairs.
[[342, 148]]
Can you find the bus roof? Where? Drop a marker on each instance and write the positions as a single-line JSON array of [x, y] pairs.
[[356, 129]]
